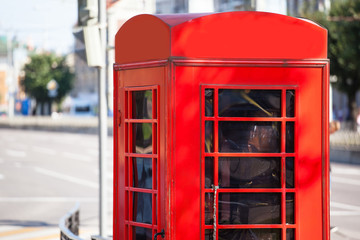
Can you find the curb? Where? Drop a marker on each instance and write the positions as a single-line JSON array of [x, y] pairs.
[[88, 125]]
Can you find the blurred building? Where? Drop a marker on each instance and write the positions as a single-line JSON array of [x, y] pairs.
[[298, 7], [192, 6], [12, 57], [4, 70], [287, 7], [3, 89], [86, 78]]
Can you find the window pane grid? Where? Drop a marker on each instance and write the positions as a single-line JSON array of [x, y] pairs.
[[141, 162], [285, 229]]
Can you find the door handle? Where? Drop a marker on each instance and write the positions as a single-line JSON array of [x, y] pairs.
[[162, 234]]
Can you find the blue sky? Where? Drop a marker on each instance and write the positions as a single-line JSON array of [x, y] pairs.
[[44, 23]]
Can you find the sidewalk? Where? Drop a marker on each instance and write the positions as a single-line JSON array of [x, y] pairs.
[[343, 155], [345, 147], [60, 124]]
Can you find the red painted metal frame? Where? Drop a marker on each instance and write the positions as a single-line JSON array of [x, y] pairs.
[[116, 124]]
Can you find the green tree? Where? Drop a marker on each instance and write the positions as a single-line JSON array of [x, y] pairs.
[[344, 49], [41, 69], [343, 24]]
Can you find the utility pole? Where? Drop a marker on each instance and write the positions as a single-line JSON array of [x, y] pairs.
[[92, 19], [102, 121]]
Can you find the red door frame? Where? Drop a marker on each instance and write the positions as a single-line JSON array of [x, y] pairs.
[[322, 65], [128, 78]]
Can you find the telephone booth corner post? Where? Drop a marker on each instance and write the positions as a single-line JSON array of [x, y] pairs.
[[221, 133]]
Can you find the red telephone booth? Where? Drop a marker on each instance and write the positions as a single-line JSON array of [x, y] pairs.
[[221, 128]]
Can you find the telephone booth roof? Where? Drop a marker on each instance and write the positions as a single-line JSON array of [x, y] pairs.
[[228, 35]]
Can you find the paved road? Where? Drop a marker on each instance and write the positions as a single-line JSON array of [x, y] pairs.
[[42, 176], [345, 201]]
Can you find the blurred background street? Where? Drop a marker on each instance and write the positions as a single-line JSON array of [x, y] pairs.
[[49, 104], [42, 176], [345, 195]]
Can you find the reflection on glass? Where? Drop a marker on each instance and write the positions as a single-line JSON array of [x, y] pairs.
[[209, 172], [261, 137], [249, 103], [250, 234], [140, 233], [249, 172], [155, 206], [142, 173], [209, 136], [289, 172], [209, 234], [249, 208], [290, 234], [142, 204], [290, 208], [209, 102], [290, 137], [142, 138], [290, 103], [154, 174], [142, 104], [209, 208]]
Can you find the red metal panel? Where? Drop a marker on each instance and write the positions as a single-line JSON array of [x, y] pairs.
[[117, 121], [229, 35], [249, 35], [127, 82], [142, 38]]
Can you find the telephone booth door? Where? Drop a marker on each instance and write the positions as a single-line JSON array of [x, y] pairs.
[[140, 157], [261, 149]]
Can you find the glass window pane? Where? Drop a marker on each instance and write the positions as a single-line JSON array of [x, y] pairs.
[[209, 233], [142, 207], [209, 208], [289, 172], [290, 234], [209, 136], [290, 137], [249, 103], [290, 103], [248, 172], [142, 104], [250, 234], [249, 208], [142, 138], [290, 208], [209, 172], [261, 137], [142, 173], [209, 102], [140, 233]]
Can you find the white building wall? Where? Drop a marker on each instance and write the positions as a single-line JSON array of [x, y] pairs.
[[274, 6], [197, 6]]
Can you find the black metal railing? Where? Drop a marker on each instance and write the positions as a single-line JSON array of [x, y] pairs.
[[69, 224]]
